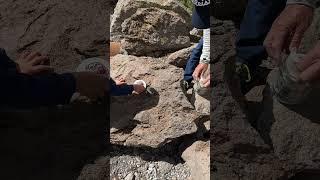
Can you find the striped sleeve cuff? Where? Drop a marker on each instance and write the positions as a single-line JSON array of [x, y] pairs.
[[310, 3]]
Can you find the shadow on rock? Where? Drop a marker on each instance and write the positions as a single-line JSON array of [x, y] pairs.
[[169, 152], [266, 119], [309, 109], [310, 175], [51, 143], [124, 108], [252, 109]]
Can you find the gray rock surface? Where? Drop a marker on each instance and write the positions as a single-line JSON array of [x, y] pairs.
[[71, 31], [125, 166], [99, 170], [201, 103], [180, 58], [196, 157], [294, 130], [153, 28], [154, 119]]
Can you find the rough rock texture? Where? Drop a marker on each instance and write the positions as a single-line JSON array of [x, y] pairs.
[[201, 103], [196, 156], [65, 34], [155, 119], [99, 170], [294, 130], [238, 150], [257, 137], [180, 57], [143, 165], [149, 27]]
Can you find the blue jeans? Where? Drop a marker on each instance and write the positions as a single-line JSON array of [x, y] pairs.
[[256, 23], [193, 61]]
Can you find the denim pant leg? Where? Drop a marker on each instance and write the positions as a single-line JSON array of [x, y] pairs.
[[256, 23], [193, 61]]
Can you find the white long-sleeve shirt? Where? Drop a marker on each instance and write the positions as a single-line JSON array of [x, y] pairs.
[[311, 3], [205, 56]]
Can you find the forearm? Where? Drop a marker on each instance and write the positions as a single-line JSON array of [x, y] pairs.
[[205, 56], [310, 3], [44, 90], [120, 90], [5, 62]]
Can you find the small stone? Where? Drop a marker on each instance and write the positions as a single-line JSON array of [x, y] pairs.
[[130, 176]]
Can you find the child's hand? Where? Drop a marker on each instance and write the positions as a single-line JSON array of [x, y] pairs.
[[33, 63], [138, 88], [120, 82]]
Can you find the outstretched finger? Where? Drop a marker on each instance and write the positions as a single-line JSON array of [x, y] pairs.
[[32, 55], [39, 60]]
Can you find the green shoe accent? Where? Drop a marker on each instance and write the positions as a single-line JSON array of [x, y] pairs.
[[243, 72]]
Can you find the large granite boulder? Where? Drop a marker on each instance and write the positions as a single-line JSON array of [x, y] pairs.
[[148, 27], [150, 119]]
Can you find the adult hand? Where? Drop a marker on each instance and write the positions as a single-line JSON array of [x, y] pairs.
[[198, 71], [206, 82], [310, 65], [287, 30], [91, 84], [33, 63]]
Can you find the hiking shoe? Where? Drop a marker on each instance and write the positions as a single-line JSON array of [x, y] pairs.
[[248, 78], [185, 86], [242, 71]]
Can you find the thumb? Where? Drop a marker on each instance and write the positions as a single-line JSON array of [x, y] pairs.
[[43, 68], [309, 59]]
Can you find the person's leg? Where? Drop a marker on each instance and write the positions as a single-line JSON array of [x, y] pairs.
[[256, 23], [193, 61]]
